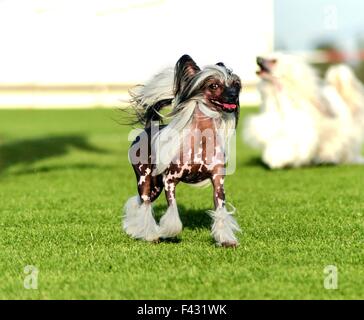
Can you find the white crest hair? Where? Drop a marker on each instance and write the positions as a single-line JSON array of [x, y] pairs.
[[167, 142], [160, 87]]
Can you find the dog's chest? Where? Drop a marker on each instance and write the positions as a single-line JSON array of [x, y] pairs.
[[201, 153]]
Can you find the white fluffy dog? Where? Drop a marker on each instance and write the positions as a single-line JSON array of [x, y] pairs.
[[304, 120]]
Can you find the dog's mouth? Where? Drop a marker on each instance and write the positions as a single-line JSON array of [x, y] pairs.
[[227, 107], [265, 66]]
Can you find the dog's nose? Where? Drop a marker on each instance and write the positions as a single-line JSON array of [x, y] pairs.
[[260, 60], [232, 94]]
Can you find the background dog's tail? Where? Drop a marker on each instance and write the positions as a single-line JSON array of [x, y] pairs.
[[348, 86], [148, 100]]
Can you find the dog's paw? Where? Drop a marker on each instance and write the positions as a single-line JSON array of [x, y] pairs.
[[152, 236], [167, 230], [138, 221], [230, 244], [224, 227], [170, 223]]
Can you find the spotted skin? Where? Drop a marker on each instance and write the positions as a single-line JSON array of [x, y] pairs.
[[200, 165], [149, 187]]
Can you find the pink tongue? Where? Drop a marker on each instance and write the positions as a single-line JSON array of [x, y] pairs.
[[229, 106]]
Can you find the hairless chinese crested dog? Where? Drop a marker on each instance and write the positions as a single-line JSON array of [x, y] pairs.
[[191, 148]]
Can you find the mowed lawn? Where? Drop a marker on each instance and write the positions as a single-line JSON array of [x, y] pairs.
[[64, 177]]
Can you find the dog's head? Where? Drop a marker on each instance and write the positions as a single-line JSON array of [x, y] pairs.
[[293, 77], [283, 69], [267, 68], [216, 86], [288, 75]]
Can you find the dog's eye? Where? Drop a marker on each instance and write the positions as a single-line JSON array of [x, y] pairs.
[[213, 86]]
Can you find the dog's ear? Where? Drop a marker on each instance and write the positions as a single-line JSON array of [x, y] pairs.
[[185, 70], [221, 64]]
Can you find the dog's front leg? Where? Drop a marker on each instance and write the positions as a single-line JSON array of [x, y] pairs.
[[224, 224], [138, 220], [170, 223]]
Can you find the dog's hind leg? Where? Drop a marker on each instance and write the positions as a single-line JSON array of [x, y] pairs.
[[138, 219], [224, 224], [170, 223]]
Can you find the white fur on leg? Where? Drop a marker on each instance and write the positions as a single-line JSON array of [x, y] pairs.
[[170, 223], [138, 220], [224, 227]]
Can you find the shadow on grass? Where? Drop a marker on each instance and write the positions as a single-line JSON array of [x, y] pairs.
[[256, 162], [191, 218], [29, 151], [45, 169]]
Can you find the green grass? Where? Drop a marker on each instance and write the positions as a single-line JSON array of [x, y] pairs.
[[64, 176]]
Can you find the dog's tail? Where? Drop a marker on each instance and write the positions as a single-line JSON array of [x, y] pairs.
[[348, 86], [148, 100]]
